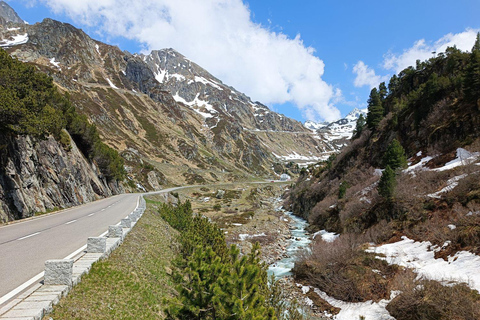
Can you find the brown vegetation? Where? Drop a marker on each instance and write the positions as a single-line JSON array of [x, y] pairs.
[[344, 270], [426, 299]]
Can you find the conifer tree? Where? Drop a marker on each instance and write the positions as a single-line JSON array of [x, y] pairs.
[[375, 109], [382, 91], [471, 83], [386, 185], [342, 190], [395, 156], [361, 122]]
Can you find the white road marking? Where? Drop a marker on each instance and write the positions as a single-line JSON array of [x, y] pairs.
[[39, 276], [20, 288], [30, 235], [103, 209], [91, 214], [71, 221]]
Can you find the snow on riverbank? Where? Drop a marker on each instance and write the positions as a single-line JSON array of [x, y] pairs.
[[420, 257], [354, 310], [326, 236]]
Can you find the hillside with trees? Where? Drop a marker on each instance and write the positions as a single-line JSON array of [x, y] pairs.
[[410, 171], [32, 108]]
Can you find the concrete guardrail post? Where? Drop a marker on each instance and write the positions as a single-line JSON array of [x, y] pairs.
[[132, 217], [58, 272], [115, 231], [97, 245], [126, 223]]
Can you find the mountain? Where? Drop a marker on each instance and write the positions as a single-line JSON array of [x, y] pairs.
[[336, 135], [314, 126], [171, 120], [7, 14]]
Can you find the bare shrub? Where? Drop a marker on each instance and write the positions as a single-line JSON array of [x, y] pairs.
[[435, 230], [344, 270], [352, 215], [468, 232], [468, 188], [430, 300], [379, 233], [325, 214], [424, 182]]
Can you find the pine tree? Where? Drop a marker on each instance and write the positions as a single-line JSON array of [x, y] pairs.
[[386, 185], [375, 109], [382, 91], [342, 190], [361, 122], [476, 46], [395, 156], [471, 85]]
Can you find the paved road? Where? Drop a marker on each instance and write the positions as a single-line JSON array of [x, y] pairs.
[[25, 245]]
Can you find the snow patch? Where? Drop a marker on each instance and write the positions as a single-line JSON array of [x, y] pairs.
[[17, 39], [420, 257], [326, 236], [464, 157], [245, 236], [209, 82], [353, 310], [177, 76], [418, 166], [111, 84], [295, 156], [197, 103], [55, 63], [451, 184]]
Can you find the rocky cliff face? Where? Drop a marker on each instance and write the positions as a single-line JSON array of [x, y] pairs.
[[37, 176]]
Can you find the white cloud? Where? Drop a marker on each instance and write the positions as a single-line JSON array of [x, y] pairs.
[[220, 36], [423, 50], [366, 76]]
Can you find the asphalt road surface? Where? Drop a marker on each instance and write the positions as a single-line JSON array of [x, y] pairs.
[[25, 245]]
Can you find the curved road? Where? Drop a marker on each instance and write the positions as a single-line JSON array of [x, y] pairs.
[[25, 245]]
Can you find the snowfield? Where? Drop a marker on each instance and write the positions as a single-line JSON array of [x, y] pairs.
[[464, 266], [18, 39]]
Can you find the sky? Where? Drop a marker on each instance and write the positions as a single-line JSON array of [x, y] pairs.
[[308, 59]]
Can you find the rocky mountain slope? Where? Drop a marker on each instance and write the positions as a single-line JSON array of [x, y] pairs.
[[7, 14], [172, 121]]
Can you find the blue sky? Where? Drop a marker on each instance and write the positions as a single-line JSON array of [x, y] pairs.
[[260, 46]]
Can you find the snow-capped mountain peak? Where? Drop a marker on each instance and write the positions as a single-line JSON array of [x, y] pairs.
[[314, 126], [336, 133]]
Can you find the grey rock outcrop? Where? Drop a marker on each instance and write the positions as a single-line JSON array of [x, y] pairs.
[[37, 176]]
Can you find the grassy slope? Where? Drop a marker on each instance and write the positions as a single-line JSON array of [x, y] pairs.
[[132, 282]]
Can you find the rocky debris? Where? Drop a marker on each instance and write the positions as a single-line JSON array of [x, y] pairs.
[[153, 180], [220, 194]]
